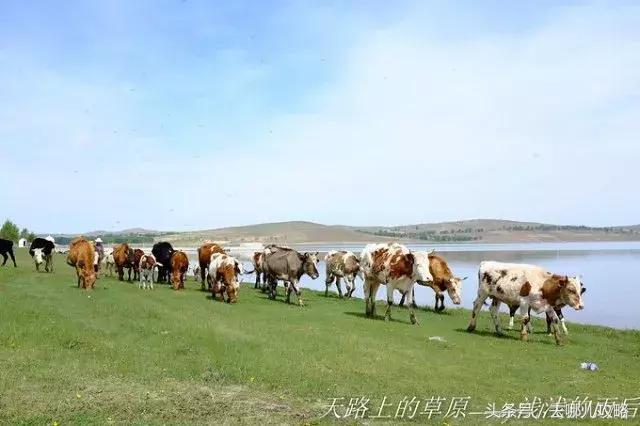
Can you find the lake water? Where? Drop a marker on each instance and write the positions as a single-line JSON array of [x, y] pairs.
[[610, 271]]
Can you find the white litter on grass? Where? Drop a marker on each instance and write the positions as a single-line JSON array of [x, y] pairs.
[[437, 339], [591, 366]]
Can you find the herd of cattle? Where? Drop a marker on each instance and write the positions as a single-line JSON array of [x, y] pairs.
[[519, 286]]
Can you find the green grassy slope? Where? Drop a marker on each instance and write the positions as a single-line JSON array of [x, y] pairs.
[[119, 354]]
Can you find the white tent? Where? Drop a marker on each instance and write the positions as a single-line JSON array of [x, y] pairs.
[[50, 238], [22, 242]]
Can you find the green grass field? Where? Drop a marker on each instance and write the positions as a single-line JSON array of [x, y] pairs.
[[118, 354]]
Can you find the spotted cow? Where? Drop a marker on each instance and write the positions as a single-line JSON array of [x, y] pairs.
[[527, 286], [223, 277], [342, 265], [397, 267], [204, 258]]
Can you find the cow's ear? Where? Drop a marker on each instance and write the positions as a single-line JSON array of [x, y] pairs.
[[583, 290]]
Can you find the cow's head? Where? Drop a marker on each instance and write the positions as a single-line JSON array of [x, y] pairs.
[[454, 289], [421, 268], [310, 260], [571, 291], [38, 256], [89, 277]]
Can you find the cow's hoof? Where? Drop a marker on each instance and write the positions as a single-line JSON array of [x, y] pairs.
[[414, 321], [471, 327]]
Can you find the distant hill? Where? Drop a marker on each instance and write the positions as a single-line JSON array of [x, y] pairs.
[[497, 231], [280, 233], [296, 232]]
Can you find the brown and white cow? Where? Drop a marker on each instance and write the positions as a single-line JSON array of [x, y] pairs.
[[81, 255], [557, 309], [146, 268], [397, 267], [123, 258], [442, 279], [342, 265], [179, 267], [223, 277], [204, 258], [527, 286]]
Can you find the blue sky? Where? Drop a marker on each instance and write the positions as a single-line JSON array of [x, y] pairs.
[[195, 114]]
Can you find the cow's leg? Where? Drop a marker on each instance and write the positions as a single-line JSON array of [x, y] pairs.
[[338, 286], [494, 309], [79, 275], [273, 287], [129, 276], [352, 286], [559, 314], [411, 302], [441, 297], [512, 314], [257, 284], [5, 257], [368, 290], [390, 289], [401, 303], [526, 319], [327, 283], [295, 285], [120, 273], [555, 327], [477, 306], [203, 273], [413, 297]]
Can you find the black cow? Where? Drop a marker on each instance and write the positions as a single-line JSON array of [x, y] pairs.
[[6, 247], [41, 250], [163, 251]]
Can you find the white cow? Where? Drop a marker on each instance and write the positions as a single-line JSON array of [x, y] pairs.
[[527, 286], [108, 263]]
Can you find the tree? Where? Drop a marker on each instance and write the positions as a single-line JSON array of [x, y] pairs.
[[31, 236], [9, 231], [24, 233]]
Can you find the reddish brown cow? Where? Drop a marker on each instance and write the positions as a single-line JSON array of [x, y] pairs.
[[137, 255], [81, 254], [123, 257], [179, 267], [204, 258]]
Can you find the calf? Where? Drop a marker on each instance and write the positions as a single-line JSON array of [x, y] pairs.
[[6, 247], [41, 250], [526, 286], [397, 267], [163, 251], [196, 272], [557, 309], [179, 267], [81, 255], [137, 255], [146, 266], [258, 266], [341, 265], [289, 265], [123, 256], [204, 258], [441, 280], [108, 262], [223, 277]]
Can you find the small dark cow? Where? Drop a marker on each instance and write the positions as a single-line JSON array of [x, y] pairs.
[[162, 251], [81, 256], [41, 250], [204, 258], [6, 248], [527, 286], [179, 268], [289, 265], [137, 255], [341, 265], [123, 257]]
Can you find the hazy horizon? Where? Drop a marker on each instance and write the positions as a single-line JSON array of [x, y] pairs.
[[193, 115]]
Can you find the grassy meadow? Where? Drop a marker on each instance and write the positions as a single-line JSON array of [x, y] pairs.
[[118, 354]]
